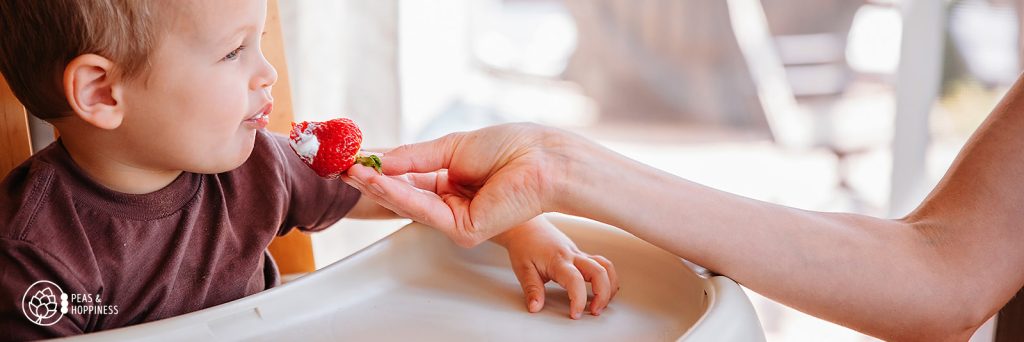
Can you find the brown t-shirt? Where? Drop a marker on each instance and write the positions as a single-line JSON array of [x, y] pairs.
[[126, 259]]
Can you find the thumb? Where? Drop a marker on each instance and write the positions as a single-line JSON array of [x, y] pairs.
[[421, 157], [502, 203]]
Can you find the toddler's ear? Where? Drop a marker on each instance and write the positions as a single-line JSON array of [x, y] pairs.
[[93, 92]]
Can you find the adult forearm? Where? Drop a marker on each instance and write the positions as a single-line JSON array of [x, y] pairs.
[[878, 276]]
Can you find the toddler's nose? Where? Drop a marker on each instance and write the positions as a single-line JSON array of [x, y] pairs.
[[268, 91], [265, 77]]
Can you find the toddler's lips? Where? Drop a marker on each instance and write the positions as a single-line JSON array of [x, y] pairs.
[[261, 118]]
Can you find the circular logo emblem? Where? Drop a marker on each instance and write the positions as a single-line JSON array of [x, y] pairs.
[[44, 303]]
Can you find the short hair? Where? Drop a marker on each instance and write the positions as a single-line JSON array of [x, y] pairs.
[[40, 38]]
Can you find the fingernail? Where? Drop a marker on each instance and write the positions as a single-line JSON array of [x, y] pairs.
[[377, 189], [574, 315], [534, 305]]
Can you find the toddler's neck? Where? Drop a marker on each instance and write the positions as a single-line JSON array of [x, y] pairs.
[[115, 173]]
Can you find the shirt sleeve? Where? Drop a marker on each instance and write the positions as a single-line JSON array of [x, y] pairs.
[[314, 203], [22, 266]]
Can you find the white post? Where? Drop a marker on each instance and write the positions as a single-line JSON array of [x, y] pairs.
[[343, 59], [917, 85]]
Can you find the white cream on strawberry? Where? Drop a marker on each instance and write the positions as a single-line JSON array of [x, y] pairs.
[[307, 145]]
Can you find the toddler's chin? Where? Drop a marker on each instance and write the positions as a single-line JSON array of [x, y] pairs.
[[217, 168], [225, 163]]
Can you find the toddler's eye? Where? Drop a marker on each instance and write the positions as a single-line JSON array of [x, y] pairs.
[[233, 55]]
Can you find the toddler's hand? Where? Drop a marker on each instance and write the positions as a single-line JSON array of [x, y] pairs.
[[539, 252]]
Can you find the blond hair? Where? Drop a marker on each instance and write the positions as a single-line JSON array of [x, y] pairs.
[[40, 38]]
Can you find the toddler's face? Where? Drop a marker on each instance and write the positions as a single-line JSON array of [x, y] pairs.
[[208, 90]]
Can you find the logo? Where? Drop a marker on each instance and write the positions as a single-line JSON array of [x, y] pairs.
[[41, 305]]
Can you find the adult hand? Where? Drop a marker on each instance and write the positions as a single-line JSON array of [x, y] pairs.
[[484, 181]]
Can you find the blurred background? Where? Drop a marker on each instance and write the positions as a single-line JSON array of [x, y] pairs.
[[832, 105]]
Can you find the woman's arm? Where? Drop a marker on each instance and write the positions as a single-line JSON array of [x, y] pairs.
[[937, 274]]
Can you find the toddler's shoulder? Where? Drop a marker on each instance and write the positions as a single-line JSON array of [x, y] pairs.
[[24, 192], [270, 146], [272, 153]]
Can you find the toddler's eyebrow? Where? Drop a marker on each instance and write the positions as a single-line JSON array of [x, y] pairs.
[[233, 37]]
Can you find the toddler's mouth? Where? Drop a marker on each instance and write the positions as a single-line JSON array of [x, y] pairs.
[[265, 111], [261, 118]]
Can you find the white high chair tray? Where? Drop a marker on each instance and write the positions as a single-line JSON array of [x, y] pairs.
[[417, 285]]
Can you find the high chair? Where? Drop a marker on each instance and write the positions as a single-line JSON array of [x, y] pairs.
[[417, 285]]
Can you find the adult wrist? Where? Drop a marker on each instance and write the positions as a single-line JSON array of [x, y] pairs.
[[582, 172]]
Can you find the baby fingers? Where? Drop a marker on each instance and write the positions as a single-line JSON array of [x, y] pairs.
[[613, 277], [533, 285], [600, 282], [570, 278]]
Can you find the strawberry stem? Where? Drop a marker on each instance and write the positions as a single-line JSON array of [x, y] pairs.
[[371, 161]]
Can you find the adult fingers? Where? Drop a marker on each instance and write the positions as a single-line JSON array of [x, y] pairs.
[[421, 206], [421, 157], [425, 181]]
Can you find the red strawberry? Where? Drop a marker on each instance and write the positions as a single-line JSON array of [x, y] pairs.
[[330, 147]]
